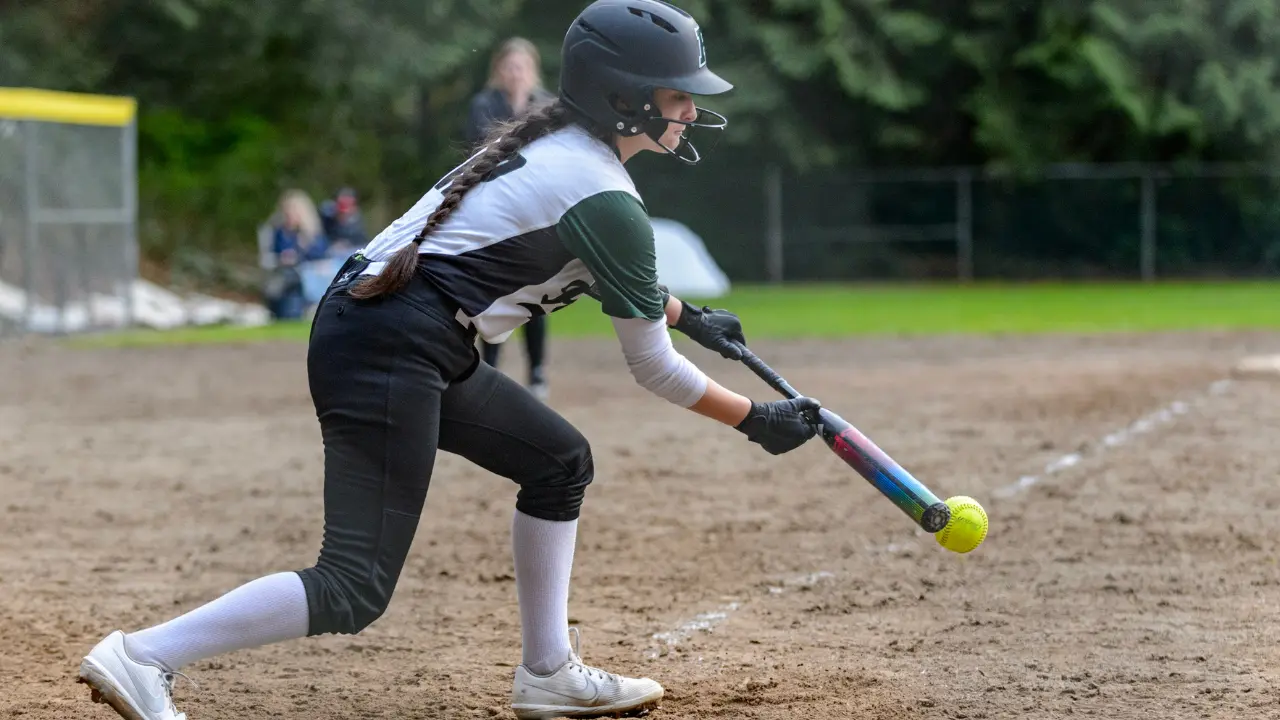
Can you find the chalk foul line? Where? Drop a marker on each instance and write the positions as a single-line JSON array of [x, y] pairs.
[[1141, 426], [707, 621]]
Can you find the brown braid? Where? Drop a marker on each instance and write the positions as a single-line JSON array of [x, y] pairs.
[[505, 141]]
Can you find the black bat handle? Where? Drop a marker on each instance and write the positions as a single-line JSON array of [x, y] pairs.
[[767, 374]]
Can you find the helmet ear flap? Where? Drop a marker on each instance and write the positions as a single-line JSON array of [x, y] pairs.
[[633, 113], [621, 106]]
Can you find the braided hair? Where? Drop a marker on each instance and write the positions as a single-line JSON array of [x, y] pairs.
[[504, 141]]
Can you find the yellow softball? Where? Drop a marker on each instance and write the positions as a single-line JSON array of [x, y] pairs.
[[968, 525]]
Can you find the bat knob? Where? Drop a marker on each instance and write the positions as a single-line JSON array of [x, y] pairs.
[[935, 517]]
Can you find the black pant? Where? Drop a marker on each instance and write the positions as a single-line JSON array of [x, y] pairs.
[[394, 380], [535, 345]]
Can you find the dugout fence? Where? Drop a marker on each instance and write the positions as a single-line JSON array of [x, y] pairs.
[[68, 211]]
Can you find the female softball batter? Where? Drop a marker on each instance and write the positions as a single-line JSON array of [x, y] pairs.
[[542, 214]]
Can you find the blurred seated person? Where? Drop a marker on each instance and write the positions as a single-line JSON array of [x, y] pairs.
[[343, 223], [297, 239]]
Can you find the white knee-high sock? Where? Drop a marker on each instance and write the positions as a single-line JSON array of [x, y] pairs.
[[268, 610], [543, 551]]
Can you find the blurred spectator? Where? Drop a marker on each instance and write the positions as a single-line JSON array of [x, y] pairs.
[[514, 86], [343, 223], [297, 238]]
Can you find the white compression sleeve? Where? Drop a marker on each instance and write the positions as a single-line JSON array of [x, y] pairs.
[[655, 364]]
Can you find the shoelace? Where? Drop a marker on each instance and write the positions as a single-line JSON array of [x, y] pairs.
[[168, 678], [583, 667]]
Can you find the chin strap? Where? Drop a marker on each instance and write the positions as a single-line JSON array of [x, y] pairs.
[[685, 152], [656, 127]]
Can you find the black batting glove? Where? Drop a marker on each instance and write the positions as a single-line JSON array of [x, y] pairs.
[[781, 426], [718, 330]]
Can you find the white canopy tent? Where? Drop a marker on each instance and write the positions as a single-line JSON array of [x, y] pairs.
[[684, 265]]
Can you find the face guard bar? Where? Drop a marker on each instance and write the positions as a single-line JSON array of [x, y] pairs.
[[685, 152]]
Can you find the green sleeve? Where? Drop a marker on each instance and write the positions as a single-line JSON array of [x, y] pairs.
[[611, 234]]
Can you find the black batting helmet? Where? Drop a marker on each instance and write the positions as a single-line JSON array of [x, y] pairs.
[[618, 52]]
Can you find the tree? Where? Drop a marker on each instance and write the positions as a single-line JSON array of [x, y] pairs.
[[1123, 80]]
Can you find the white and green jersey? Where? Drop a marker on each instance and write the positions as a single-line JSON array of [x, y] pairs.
[[560, 217]]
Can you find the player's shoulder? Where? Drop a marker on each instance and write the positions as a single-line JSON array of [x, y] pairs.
[[575, 165], [609, 218], [615, 207]]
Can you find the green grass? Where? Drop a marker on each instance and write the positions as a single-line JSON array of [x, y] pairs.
[[843, 310]]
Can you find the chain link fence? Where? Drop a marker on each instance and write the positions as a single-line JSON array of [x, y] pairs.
[[68, 212], [1062, 222]]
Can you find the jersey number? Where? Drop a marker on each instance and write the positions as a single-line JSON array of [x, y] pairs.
[[515, 162]]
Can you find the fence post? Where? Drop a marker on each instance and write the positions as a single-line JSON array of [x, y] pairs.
[[964, 225], [133, 255], [31, 206], [81, 241], [1147, 251], [773, 223]]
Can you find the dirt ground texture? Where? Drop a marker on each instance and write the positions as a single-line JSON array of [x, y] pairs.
[[1142, 582]]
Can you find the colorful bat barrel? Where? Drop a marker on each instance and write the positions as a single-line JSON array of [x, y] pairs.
[[859, 453], [874, 464]]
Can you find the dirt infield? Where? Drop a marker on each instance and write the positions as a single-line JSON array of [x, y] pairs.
[[1139, 582]]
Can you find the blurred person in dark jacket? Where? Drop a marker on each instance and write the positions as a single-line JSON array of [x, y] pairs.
[[514, 87], [343, 223]]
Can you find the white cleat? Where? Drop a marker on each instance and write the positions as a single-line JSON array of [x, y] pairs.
[[576, 690], [134, 690], [541, 391]]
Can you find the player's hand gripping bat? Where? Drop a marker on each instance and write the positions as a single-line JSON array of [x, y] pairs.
[[872, 463]]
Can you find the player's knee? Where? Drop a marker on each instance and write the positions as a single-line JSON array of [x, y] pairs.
[[340, 602], [556, 492], [369, 607]]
